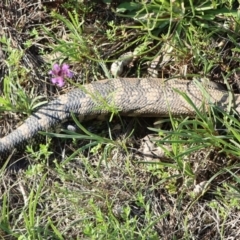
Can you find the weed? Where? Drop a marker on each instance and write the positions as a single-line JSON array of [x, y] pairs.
[[101, 190]]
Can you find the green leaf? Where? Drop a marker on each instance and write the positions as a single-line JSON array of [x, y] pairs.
[[128, 6]]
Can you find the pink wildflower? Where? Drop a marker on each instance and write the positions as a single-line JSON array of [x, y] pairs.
[[59, 72]]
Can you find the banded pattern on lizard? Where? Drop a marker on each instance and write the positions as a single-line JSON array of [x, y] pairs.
[[147, 97]]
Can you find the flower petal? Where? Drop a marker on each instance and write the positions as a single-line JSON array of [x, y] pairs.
[[70, 74], [66, 71], [54, 80], [56, 70], [65, 67], [61, 83]]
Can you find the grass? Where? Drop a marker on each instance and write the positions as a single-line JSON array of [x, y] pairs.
[[104, 181]]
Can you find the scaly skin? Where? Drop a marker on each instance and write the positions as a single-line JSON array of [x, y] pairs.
[[132, 97]]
